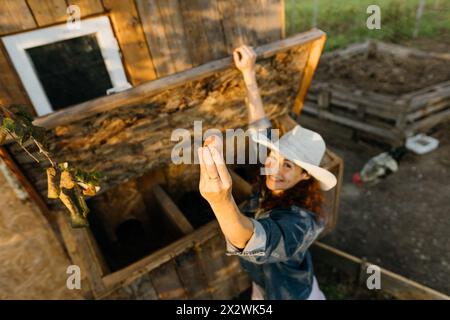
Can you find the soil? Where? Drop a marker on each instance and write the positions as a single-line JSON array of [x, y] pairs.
[[385, 73]]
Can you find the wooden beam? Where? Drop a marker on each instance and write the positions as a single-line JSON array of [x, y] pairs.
[[171, 210], [389, 134], [308, 73], [83, 252], [392, 283], [145, 90], [130, 35], [11, 88]]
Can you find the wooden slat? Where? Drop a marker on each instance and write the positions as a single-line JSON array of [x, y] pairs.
[[390, 135], [270, 24], [172, 211], [140, 289], [392, 283], [87, 7], [232, 17], [156, 259], [283, 18], [48, 11], [172, 20], [166, 282], [140, 92], [429, 122], [11, 89], [308, 73], [428, 110], [218, 268], [163, 28], [83, 251], [128, 30], [15, 16], [192, 276], [158, 44], [202, 27]]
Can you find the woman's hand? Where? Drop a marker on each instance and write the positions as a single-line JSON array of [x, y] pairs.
[[244, 59], [215, 180]]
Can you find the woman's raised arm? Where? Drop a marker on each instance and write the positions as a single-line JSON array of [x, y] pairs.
[[244, 59]]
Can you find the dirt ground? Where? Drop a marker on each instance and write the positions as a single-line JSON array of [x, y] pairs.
[[402, 223], [384, 73]]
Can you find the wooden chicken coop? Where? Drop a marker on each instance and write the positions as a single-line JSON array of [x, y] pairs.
[[111, 92]]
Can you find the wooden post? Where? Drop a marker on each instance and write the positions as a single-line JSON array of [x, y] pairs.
[[311, 65]]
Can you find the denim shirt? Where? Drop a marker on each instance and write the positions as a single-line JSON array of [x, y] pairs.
[[276, 257]]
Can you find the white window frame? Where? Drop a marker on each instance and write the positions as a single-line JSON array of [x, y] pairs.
[[16, 46]]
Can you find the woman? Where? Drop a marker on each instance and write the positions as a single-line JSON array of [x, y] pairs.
[[273, 232]]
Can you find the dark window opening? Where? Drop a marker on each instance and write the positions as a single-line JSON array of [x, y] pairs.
[[71, 71]]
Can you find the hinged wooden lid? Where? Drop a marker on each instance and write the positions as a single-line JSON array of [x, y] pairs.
[[129, 133]]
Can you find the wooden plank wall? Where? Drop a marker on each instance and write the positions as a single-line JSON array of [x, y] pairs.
[[156, 37]]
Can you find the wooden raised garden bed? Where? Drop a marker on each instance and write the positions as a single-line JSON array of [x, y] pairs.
[[386, 91]]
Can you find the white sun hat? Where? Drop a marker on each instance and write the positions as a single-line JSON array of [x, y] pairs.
[[303, 147]]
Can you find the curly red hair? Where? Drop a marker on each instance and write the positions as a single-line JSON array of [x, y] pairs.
[[305, 194]]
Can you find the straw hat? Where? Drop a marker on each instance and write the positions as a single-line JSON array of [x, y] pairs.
[[303, 147]]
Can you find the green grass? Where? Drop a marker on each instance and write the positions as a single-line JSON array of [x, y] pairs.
[[344, 21]]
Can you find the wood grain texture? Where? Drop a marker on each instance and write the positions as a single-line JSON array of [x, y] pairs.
[[157, 41], [87, 7], [48, 11], [130, 35], [204, 34], [167, 283], [172, 20], [11, 89], [15, 16], [32, 261], [243, 24], [192, 276], [163, 26]]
